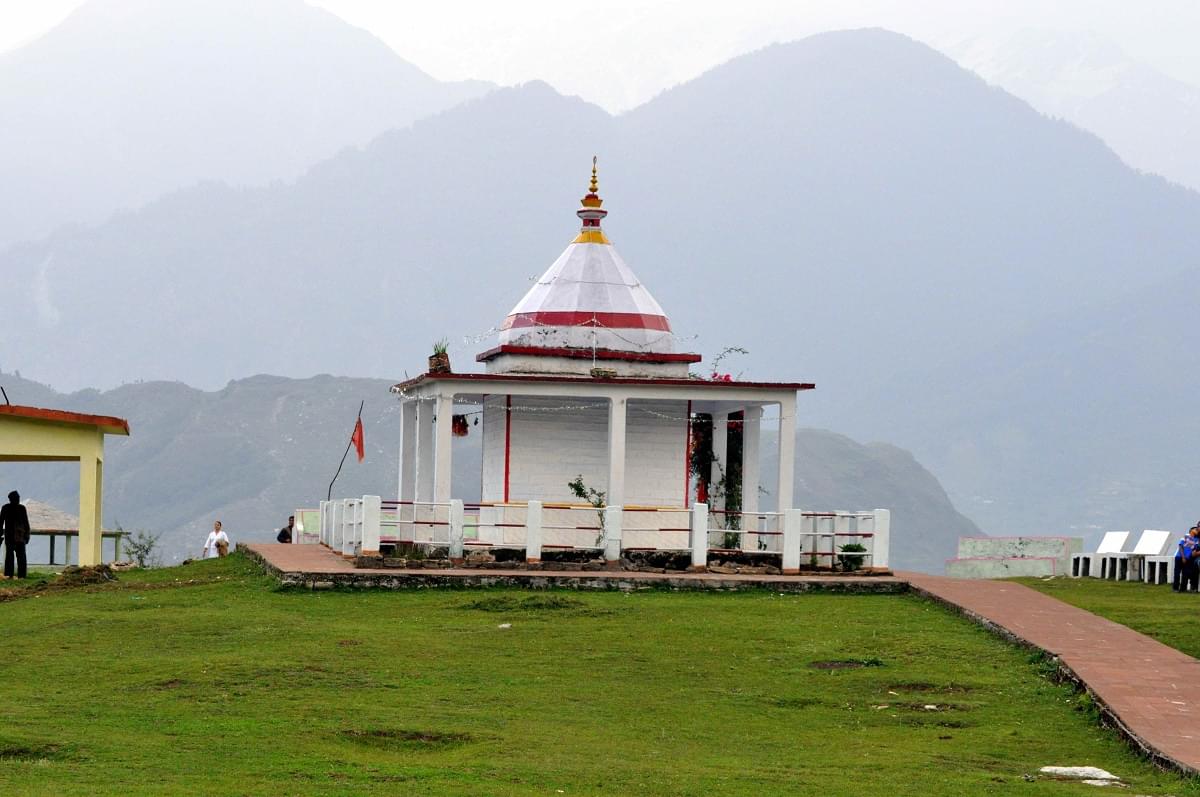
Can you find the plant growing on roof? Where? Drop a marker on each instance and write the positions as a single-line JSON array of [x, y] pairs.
[[717, 376], [597, 498], [439, 361]]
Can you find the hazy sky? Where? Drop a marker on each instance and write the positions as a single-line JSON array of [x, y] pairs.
[[621, 52]]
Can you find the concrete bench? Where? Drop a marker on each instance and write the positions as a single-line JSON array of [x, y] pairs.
[[1085, 564], [1128, 566]]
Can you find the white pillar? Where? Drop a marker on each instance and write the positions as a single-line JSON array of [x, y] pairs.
[[533, 532], [793, 522], [699, 536], [751, 432], [423, 473], [456, 529], [616, 452], [612, 535], [720, 464], [787, 453], [408, 447], [442, 448], [881, 542], [372, 509]]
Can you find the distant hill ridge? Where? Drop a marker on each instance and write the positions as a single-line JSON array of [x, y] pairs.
[[150, 97], [252, 452]]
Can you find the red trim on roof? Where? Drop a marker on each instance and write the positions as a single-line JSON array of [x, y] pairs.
[[110, 424], [667, 381], [588, 354], [584, 318]]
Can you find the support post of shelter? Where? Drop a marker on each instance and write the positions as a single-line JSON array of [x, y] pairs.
[[423, 473], [442, 448], [91, 479], [533, 532], [719, 467], [787, 453], [408, 448], [751, 427], [616, 451]]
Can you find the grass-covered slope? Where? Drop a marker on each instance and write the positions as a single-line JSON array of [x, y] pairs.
[[1170, 617], [206, 679]]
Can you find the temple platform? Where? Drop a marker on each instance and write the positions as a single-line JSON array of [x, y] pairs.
[[317, 567]]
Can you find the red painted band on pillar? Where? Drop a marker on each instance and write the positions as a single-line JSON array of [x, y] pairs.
[[687, 457], [507, 440]]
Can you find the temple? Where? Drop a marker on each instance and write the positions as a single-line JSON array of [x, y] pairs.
[[589, 420]]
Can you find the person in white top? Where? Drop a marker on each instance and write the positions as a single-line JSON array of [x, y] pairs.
[[211, 547]]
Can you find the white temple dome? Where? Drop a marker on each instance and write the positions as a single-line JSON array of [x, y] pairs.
[[589, 299]]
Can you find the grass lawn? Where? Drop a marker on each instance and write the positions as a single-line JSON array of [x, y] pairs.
[[1172, 618], [207, 679]]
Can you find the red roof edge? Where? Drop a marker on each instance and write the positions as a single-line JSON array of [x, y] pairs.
[[588, 354], [108, 423]]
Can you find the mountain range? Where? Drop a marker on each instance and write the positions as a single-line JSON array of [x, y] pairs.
[[959, 274], [127, 100], [250, 453], [1150, 119]]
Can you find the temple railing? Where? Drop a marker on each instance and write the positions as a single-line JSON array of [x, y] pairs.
[[356, 526]]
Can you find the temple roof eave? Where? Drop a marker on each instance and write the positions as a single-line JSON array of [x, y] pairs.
[[714, 387]]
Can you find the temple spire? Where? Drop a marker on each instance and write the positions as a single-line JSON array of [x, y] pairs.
[[591, 213]]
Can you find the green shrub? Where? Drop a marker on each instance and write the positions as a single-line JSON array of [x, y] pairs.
[[851, 556]]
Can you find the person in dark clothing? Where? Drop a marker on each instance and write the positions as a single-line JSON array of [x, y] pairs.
[[14, 521], [285, 533], [1181, 559], [1191, 567]]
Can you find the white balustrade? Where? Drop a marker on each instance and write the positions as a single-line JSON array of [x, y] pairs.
[[354, 526]]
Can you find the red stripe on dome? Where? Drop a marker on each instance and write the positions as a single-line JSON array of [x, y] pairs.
[[579, 318]]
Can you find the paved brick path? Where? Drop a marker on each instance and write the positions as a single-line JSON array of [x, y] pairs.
[[1149, 690]]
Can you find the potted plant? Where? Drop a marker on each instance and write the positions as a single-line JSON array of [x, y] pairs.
[[439, 361]]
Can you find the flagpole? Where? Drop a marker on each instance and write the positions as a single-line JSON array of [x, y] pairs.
[[350, 442]]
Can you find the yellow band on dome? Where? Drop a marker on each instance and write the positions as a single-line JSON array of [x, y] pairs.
[[591, 237]]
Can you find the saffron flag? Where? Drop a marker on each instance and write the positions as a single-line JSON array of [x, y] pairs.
[[357, 438]]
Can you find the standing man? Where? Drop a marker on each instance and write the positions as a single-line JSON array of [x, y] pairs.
[[14, 521], [285, 533], [1179, 582], [1191, 568]]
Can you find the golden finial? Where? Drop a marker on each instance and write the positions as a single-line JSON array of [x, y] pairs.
[[593, 188]]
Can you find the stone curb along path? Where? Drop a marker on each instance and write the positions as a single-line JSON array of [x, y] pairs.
[[1143, 688]]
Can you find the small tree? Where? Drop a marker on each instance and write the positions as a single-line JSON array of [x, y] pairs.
[[141, 544], [597, 498]]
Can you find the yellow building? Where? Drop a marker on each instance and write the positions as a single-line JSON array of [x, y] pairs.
[[33, 434]]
